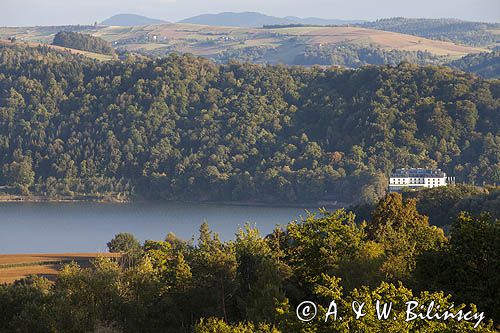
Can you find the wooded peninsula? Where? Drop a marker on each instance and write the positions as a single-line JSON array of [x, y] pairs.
[[184, 128]]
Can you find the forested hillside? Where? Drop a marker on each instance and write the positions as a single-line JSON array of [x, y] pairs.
[[184, 128], [84, 42], [349, 55], [486, 65], [462, 32], [353, 55]]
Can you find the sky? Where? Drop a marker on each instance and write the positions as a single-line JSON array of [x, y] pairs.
[[60, 12]]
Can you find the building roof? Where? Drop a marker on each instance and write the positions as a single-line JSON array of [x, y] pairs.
[[418, 173]]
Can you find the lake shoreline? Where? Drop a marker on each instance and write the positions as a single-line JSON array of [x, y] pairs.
[[94, 199], [35, 198]]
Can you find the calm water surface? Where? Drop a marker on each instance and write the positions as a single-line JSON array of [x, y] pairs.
[[86, 227]]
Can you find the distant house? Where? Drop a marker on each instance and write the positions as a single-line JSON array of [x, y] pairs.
[[418, 178]]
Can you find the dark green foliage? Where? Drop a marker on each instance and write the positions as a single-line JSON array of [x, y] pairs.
[[184, 128], [404, 235], [469, 266], [324, 244], [128, 246], [443, 204], [486, 65], [258, 276], [20, 172], [84, 42], [123, 242]]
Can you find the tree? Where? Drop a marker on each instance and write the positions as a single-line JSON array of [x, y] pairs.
[[404, 234], [123, 242], [126, 244], [20, 172], [182, 274], [83, 42], [323, 244], [468, 266], [259, 281], [214, 270]]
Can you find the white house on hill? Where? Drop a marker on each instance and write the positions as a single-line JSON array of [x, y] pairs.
[[418, 178]]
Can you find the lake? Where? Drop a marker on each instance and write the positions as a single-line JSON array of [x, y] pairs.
[[43, 227]]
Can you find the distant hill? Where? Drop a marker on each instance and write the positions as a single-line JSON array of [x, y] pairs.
[[486, 65], [458, 31], [246, 19], [322, 21], [128, 20], [253, 19]]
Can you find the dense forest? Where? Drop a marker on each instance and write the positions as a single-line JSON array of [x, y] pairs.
[[486, 65], [354, 56], [349, 55], [254, 54], [462, 32], [345, 54], [183, 127], [443, 204], [84, 42], [253, 284]]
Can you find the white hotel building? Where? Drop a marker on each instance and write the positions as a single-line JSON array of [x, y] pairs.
[[418, 178]]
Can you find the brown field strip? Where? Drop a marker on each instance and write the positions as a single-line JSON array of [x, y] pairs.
[[17, 266]]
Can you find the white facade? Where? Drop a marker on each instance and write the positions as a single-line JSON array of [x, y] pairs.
[[418, 178]]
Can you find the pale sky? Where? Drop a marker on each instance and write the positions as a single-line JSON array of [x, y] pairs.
[[58, 12]]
